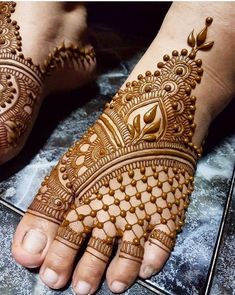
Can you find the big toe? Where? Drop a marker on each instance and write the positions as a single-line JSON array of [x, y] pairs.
[[32, 240]]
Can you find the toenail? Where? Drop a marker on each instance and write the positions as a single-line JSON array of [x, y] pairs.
[[50, 276], [34, 241], [82, 288], [149, 271], [118, 287]]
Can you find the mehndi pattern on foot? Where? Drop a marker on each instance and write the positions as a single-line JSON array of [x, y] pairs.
[[131, 174], [21, 81]]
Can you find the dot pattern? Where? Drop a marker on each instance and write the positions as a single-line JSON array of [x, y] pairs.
[[132, 205], [131, 174]]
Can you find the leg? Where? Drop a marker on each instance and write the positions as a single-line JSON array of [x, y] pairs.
[[34, 58], [130, 177]]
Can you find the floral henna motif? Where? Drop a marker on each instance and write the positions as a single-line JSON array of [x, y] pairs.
[[21, 81], [131, 174]]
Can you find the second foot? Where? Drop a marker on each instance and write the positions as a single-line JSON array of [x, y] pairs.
[[35, 56]]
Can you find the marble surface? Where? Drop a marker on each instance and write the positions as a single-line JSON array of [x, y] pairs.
[[224, 276], [187, 269]]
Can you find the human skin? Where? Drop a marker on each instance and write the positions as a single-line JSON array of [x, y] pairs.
[[143, 244], [35, 56]]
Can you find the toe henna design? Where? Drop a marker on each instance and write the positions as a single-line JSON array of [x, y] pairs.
[[100, 248], [132, 173], [164, 238], [21, 81]]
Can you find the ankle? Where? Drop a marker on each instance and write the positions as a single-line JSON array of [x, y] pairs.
[[216, 88], [62, 23]]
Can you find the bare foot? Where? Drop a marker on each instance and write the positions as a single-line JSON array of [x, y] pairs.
[[130, 177], [40, 44]]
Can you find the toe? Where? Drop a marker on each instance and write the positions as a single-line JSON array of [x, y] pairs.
[[154, 259], [58, 264], [32, 240], [88, 274], [91, 267], [125, 266], [156, 252], [39, 226]]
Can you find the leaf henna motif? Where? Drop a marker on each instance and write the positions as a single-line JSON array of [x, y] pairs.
[[150, 115], [201, 37], [149, 137], [191, 39], [131, 130], [206, 46], [136, 123], [153, 127], [150, 126]]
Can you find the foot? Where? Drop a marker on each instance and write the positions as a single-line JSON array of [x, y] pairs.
[[128, 180], [35, 56]]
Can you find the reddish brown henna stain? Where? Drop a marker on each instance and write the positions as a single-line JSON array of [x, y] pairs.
[[132, 172], [21, 81], [73, 55], [165, 239], [100, 248]]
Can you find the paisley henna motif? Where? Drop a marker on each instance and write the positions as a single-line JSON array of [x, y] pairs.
[[131, 174], [21, 81]]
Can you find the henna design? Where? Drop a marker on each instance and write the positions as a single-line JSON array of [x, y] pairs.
[[102, 246], [132, 172], [73, 239], [127, 203], [73, 55], [167, 240], [132, 250], [21, 81], [52, 189]]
